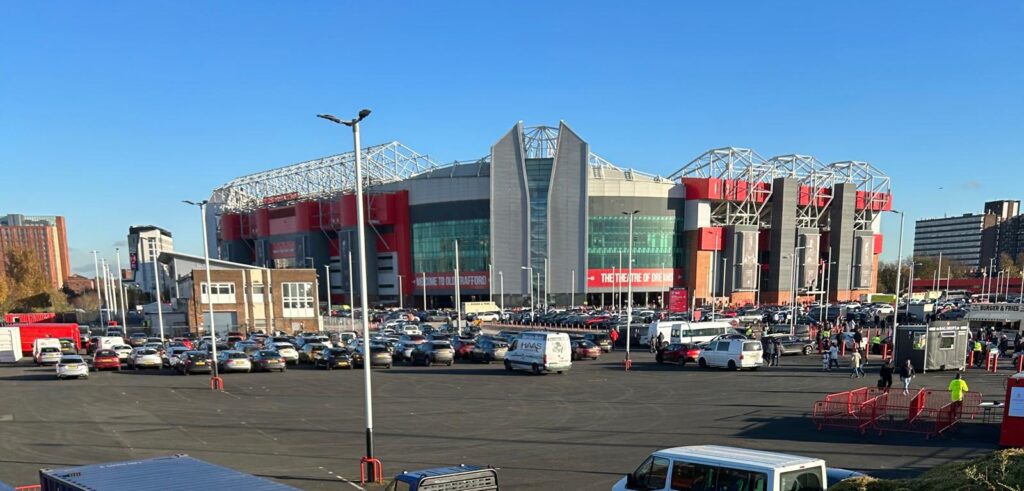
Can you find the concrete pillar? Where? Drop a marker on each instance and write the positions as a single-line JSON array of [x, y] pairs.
[[842, 218], [778, 277]]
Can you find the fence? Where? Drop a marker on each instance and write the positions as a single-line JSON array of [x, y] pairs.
[[926, 411]]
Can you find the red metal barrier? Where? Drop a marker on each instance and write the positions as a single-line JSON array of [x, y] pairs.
[[992, 362], [377, 469], [970, 359], [885, 351], [217, 383], [30, 487], [927, 411], [1020, 364], [842, 348]]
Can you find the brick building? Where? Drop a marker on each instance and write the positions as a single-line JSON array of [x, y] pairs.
[[245, 298], [45, 235]]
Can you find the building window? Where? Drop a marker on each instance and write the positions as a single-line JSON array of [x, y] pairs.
[[297, 299], [657, 242], [222, 293], [433, 245], [258, 292]]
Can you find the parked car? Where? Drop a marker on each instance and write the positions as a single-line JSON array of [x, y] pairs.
[[48, 355], [600, 339], [123, 352], [67, 346], [145, 358], [432, 352], [172, 356], [583, 349], [194, 362], [680, 353], [72, 366], [463, 347], [137, 339], [105, 359], [233, 361], [334, 358], [488, 349], [286, 350], [266, 360], [310, 352], [379, 357], [732, 354]]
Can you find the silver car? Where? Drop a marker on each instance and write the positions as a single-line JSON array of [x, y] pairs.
[[233, 361], [145, 358], [72, 366]]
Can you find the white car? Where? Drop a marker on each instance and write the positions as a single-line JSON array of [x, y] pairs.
[[288, 352], [487, 317], [233, 361], [124, 352], [48, 355], [72, 366], [173, 355], [145, 358], [732, 354]]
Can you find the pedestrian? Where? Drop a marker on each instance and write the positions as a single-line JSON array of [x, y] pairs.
[[885, 375], [855, 363], [876, 344], [661, 339], [833, 356], [978, 353], [614, 335], [776, 351], [957, 388], [748, 332], [769, 350], [906, 375], [826, 362], [1004, 344]]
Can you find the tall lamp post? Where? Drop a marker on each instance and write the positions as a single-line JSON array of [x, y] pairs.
[[424, 273], [501, 289], [215, 380], [401, 304], [159, 295], [351, 292], [533, 301], [121, 292], [327, 278], [96, 281], [793, 277], [899, 272], [629, 287], [363, 303]]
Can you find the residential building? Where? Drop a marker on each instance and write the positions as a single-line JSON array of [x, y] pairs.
[[46, 236], [957, 238], [145, 244]]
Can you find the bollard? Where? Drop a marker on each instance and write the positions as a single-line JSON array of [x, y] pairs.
[[842, 348], [995, 361], [970, 359], [885, 351], [1020, 364], [627, 363]]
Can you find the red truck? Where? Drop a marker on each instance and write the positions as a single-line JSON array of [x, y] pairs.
[[29, 317], [31, 332]]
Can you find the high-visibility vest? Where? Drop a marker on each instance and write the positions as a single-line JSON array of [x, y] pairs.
[[876, 340], [977, 346]]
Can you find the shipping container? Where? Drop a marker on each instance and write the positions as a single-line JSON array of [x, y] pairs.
[[31, 332], [10, 344], [179, 472]]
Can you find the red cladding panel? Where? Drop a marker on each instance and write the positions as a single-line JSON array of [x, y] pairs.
[[333, 247], [307, 216], [703, 188], [231, 226], [262, 225], [347, 210], [878, 243], [764, 239], [710, 239]]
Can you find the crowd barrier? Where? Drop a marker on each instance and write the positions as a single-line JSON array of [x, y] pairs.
[[929, 412]]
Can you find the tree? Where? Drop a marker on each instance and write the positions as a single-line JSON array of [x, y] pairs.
[[28, 286]]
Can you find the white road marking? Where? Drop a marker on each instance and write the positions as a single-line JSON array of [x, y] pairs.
[[342, 478]]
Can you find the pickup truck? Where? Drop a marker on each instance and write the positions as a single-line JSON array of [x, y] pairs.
[[456, 478]]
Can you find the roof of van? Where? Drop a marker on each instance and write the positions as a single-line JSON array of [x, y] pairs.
[[737, 455], [543, 334]]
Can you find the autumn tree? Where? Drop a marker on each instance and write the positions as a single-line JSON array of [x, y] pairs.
[[28, 285]]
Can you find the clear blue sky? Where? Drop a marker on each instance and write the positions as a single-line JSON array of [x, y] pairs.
[[112, 112]]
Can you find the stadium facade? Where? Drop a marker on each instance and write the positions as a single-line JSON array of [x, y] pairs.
[[543, 216]]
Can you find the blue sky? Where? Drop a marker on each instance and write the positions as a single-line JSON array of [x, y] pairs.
[[112, 112]]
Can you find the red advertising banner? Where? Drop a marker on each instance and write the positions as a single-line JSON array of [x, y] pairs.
[[678, 300], [277, 198], [642, 278], [133, 259], [282, 250], [474, 280]]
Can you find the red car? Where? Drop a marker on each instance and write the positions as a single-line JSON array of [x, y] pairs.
[[584, 349], [106, 359], [186, 342], [678, 353], [463, 347]]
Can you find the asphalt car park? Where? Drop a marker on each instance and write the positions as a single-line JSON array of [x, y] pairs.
[[580, 430]]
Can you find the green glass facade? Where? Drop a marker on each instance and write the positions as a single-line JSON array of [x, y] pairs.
[[657, 242], [433, 245], [538, 180]]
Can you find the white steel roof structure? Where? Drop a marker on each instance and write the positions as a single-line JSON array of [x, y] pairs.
[[322, 177]]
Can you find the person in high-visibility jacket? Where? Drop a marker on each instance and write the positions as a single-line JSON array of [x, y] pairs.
[[749, 333], [876, 344], [978, 355], [957, 388]]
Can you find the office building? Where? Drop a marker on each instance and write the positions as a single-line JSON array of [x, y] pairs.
[[145, 244]]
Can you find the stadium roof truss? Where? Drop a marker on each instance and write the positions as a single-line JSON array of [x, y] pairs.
[[320, 178], [747, 184], [815, 181], [872, 183]]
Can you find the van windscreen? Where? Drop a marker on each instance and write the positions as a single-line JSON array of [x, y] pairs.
[[752, 346]]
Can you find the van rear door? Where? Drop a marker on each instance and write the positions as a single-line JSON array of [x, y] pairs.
[[559, 350]]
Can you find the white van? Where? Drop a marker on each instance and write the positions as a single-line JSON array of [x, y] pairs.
[[732, 354], [685, 332], [719, 467], [540, 352], [39, 343], [108, 342]]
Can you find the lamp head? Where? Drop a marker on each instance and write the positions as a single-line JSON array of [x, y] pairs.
[[330, 117], [363, 113]]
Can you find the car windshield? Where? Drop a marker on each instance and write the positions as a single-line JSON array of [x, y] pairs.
[[283, 346], [71, 359], [147, 352], [50, 349], [197, 356], [237, 356], [337, 352], [752, 346], [105, 352], [269, 354], [442, 346]]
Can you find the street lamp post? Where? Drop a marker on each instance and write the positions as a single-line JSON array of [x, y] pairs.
[[458, 289], [106, 288], [159, 296], [364, 304], [533, 300], [793, 277], [351, 291], [120, 291], [501, 289], [424, 273], [490, 282], [899, 272], [327, 278], [572, 292], [96, 284], [725, 269], [215, 380], [546, 291], [401, 304], [629, 287]]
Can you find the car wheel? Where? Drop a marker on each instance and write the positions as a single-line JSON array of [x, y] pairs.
[[807, 350], [508, 365], [388, 366], [119, 368], [754, 369], [658, 358], [536, 369], [732, 365], [448, 364], [702, 363], [682, 362]]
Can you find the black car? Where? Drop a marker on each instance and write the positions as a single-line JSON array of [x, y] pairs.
[[334, 358], [268, 360], [431, 352], [194, 362]]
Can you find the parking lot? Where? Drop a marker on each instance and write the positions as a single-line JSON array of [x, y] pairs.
[[580, 430]]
